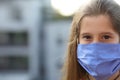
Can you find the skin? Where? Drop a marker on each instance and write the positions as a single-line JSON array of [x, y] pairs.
[[96, 29]]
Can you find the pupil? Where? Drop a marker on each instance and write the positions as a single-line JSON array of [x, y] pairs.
[[106, 37], [88, 37]]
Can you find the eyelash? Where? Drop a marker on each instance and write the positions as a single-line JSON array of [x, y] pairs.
[[87, 37], [107, 36]]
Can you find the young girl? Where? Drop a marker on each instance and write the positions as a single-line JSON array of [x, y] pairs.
[[93, 50]]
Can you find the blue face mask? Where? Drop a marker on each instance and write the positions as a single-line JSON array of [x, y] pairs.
[[100, 60]]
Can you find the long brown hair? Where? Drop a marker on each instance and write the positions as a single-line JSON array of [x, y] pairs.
[[72, 69]]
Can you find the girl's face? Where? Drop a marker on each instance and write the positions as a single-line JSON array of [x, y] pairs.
[[96, 29]]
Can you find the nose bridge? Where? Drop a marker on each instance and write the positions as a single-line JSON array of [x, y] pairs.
[[96, 39]]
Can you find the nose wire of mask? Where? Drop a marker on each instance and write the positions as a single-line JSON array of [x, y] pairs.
[[100, 60]]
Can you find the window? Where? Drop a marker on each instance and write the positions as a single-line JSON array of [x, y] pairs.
[[13, 63], [14, 38]]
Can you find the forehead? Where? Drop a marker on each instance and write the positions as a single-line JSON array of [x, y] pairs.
[[96, 24]]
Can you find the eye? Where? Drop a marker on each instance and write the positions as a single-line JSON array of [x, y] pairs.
[[106, 37], [87, 37]]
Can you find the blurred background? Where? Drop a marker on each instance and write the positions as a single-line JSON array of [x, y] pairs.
[[33, 37]]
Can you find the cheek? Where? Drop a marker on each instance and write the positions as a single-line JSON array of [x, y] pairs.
[[116, 39], [82, 41]]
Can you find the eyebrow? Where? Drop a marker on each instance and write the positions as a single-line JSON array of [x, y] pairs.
[[110, 33], [85, 34]]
